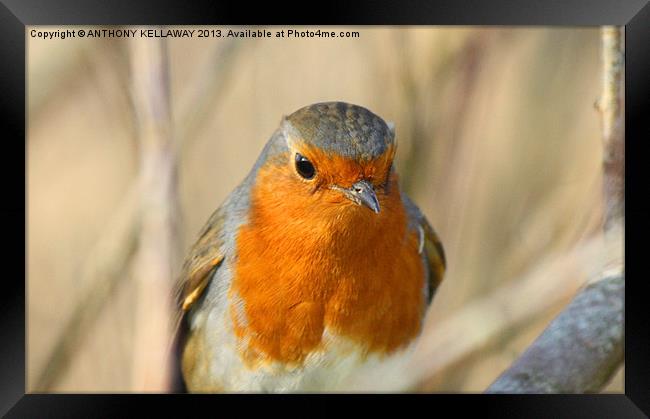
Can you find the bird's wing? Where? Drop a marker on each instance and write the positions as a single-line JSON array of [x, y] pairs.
[[430, 247], [204, 257]]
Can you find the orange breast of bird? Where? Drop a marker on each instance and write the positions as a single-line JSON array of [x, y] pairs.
[[314, 262]]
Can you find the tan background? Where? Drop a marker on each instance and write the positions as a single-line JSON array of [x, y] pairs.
[[499, 145]]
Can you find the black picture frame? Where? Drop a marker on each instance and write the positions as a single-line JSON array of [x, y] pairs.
[[15, 15]]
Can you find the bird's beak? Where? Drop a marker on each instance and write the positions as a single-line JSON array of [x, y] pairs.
[[362, 193]]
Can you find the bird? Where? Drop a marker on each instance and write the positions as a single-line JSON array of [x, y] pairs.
[[314, 267]]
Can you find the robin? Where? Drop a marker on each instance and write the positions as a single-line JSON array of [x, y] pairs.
[[315, 266]]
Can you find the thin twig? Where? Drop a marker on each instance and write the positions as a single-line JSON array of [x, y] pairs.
[[610, 107], [157, 253]]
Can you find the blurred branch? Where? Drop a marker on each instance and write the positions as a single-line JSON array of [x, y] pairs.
[[107, 263], [103, 269], [467, 334], [456, 68], [157, 253], [201, 100], [582, 348]]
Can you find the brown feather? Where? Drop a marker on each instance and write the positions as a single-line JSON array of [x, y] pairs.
[[435, 256], [204, 257]]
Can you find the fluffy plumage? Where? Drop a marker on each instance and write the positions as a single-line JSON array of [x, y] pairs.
[[292, 284]]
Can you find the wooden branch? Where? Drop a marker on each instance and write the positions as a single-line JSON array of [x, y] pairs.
[[582, 348], [510, 307], [157, 254], [579, 351], [465, 335]]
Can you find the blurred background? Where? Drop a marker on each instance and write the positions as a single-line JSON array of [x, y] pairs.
[[499, 144]]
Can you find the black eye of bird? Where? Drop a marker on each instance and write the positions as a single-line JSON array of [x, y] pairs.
[[304, 167]]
